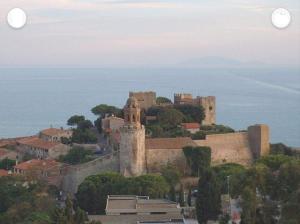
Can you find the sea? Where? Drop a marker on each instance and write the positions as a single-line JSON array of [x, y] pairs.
[[32, 99]]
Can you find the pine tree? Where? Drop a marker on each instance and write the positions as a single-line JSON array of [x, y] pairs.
[[209, 198]]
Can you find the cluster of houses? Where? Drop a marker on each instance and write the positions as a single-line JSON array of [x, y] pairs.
[[41, 150]]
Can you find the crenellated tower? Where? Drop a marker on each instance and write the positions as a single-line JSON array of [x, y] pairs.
[[132, 144]]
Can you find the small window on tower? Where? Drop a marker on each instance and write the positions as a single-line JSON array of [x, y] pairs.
[[210, 108]]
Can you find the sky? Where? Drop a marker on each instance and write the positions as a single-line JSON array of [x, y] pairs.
[[149, 33]]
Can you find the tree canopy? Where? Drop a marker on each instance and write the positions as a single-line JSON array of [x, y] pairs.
[[170, 118], [76, 155], [92, 193], [198, 158], [103, 109], [208, 203], [163, 100], [75, 119], [191, 113]]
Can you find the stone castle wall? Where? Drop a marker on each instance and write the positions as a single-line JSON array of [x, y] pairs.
[[156, 158], [132, 150], [228, 148], [75, 175], [145, 99], [239, 147]]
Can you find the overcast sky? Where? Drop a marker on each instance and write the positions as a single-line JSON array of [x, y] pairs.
[[129, 33]]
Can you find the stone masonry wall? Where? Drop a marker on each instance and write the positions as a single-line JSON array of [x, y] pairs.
[[232, 147], [228, 148], [145, 99], [132, 151], [75, 175]]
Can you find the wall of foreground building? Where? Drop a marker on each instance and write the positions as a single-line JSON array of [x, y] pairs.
[[75, 175]]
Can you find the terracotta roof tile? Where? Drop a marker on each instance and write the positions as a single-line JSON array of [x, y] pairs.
[[38, 143], [37, 164], [3, 152], [169, 143], [3, 173], [52, 131], [190, 125]]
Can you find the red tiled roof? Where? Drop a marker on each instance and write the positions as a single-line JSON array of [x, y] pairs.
[[169, 143], [53, 131], [37, 164], [190, 125], [3, 152], [3, 173], [38, 143]]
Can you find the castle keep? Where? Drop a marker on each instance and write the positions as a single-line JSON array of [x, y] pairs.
[[208, 103]]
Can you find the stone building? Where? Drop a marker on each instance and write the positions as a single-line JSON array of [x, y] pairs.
[[145, 99], [48, 170], [132, 143], [127, 209], [111, 124], [208, 103], [55, 134], [42, 149]]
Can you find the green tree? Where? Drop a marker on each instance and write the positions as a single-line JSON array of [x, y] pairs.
[[248, 205], [163, 100], [225, 171], [84, 125], [7, 164], [103, 109], [171, 174], [208, 203], [92, 193], [170, 118], [198, 158], [84, 136], [76, 155], [98, 124], [274, 161], [191, 113], [280, 148], [74, 120]]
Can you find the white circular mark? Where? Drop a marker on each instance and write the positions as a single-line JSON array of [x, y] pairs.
[[16, 18], [281, 18]]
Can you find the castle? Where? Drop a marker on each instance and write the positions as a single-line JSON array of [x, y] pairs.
[[137, 155]]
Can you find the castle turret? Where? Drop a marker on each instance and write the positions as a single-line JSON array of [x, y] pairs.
[[132, 144]]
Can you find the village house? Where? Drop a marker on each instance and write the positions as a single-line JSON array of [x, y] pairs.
[[4, 173], [55, 134], [127, 209], [191, 127], [111, 124], [48, 170], [42, 149], [8, 154]]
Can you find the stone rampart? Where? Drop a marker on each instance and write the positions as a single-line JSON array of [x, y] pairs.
[[228, 148], [76, 174]]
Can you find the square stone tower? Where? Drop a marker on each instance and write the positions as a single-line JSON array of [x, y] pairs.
[[208, 103], [132, 144], [259, 140]]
